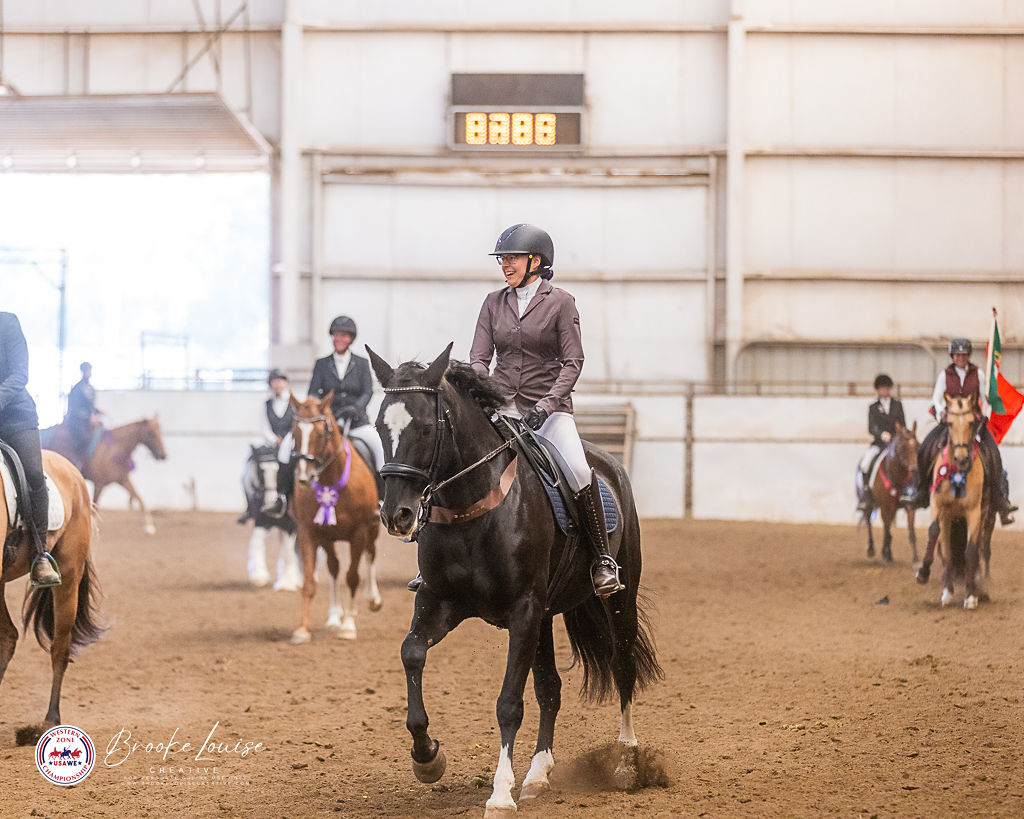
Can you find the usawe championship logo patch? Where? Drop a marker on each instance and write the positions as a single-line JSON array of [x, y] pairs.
[[65, 755]]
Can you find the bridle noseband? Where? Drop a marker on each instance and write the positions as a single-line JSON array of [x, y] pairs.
[[399, 470]]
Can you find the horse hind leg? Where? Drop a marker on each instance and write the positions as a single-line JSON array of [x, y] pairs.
[[911, 534], [133, 497], [887, 538], [335, 608], [256, 565], [371, 591], [547, 687]]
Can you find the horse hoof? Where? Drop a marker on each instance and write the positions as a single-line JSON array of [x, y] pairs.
[[259, 582], [626, 772], [300, 636], [971, 602], [922, 575], [947, 597], [430, 772], [500, 811], [346, 634], [376, 605], [286, 587], [149, 529], [871, 551], [531, 790]]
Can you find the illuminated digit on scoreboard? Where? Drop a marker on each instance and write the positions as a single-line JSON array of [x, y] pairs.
[[544, 129], [522, 129], [476, 128], [498, 129]]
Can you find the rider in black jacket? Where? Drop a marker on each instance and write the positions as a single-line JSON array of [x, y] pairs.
[[19, 428]]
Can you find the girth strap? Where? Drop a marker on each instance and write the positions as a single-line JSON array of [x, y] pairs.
[[493, 499]]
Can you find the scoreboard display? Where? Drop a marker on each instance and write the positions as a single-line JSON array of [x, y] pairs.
[[516, 112]]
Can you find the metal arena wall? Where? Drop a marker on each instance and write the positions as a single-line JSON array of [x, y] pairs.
[[786, 193]]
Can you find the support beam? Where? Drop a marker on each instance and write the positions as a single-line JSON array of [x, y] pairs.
[[734, 195]]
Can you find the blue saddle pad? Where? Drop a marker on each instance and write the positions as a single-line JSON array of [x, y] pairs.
[[611, 511]]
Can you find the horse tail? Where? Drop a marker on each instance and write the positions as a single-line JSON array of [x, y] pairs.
[[593, 643], [86, 630]]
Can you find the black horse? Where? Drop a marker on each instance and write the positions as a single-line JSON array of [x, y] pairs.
[[489, 547], [261, 463]]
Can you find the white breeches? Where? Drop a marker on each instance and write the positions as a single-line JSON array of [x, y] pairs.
[[559, 430], [865, 462]]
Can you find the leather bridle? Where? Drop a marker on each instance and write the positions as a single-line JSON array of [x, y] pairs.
[[318, 466]]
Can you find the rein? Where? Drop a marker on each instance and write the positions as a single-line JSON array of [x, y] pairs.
[[440, 514]]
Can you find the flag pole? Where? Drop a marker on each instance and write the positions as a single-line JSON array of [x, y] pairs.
[[989, 354]]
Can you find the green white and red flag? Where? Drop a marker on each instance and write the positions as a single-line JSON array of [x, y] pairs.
[[1004, 401]]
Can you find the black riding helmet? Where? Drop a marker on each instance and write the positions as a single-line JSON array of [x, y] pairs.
[[528, 239], [343, 324], [883, 381], [959, 345]]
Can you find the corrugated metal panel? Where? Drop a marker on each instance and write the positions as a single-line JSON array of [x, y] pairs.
[[133, 132]]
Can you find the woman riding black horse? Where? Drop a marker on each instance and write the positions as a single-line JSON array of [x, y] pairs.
[[535, 330], [19, 428]]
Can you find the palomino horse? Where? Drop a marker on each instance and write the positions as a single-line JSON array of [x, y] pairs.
[[335, 499], [489, 547], [259, 482], [62, 616], [897, 470], [110, 461], [958, 484]]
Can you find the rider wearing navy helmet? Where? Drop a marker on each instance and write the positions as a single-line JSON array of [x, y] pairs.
[[883, 416], [19, 429], [534, 329], [962, 379]]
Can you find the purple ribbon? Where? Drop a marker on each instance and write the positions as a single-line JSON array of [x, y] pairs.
[[327, 496]]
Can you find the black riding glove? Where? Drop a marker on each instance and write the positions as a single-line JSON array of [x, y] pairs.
[[535, 418]]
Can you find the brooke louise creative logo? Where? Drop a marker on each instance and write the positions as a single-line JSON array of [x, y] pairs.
[[65, 755]]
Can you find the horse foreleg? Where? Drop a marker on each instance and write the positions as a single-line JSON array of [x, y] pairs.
[[307, 554], [334, 605], [910, 531], [971, 558], [888, 513], [432, 619], [523, 635], [370, 591], [547, 686], [8, 634], [289, 575], [871, 535], [257, 563], [133, 497], [925, 570], [945, 537]]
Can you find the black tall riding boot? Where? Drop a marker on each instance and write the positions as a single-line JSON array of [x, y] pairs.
[[44, 568], [604, 571]]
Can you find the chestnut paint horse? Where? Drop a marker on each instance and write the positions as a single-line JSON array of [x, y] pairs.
[[896, 471], [335, 499], [62, 617], [111, 459], [958, 492]]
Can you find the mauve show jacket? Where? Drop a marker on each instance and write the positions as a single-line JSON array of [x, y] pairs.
[[540, 355]]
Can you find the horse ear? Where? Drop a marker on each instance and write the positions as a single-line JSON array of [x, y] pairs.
[[435, 372], [899, 426], [383, 370], [293, 400], [914, 428], [325, 402]]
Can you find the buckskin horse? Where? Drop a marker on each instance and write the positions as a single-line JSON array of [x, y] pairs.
[[489, 547], [897, 470], [110, 457], [63, 617], [335, 499], [958, 492]]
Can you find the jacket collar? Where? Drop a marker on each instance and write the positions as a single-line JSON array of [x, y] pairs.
[[513, 303]]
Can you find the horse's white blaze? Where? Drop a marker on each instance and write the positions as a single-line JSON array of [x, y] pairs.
[[305, 430], [540, 767], [504, 782], [257, 565], [626, 735], [396, 419], [269, 471]]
